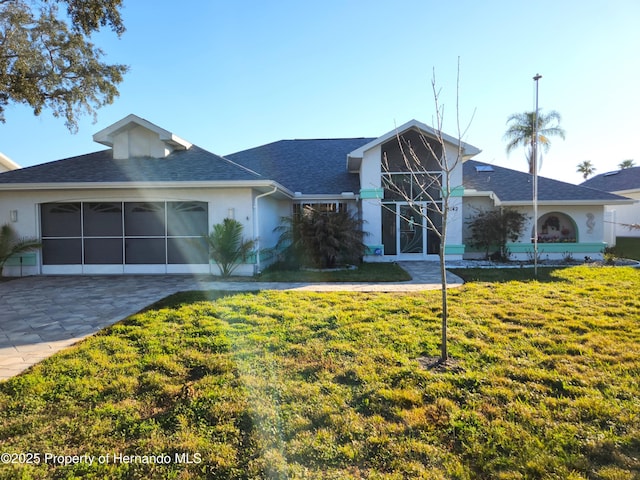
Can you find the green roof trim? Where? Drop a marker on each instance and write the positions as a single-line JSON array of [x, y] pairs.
[[453, 249], [370, 193], [557, 247]]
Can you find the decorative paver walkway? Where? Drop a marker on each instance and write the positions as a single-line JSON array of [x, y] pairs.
[[41, 315]]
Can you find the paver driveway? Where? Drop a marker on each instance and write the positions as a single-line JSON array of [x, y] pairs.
[[43, 314]]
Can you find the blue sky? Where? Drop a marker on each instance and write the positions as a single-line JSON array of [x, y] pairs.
[[229, 76]]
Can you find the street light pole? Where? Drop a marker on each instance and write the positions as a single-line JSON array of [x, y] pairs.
[[534, 159]]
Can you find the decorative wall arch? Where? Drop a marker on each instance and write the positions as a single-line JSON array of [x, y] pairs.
[[557, 227]]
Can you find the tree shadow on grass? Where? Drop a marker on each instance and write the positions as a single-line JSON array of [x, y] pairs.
[[501, 275], [184, 298], [437, 365]]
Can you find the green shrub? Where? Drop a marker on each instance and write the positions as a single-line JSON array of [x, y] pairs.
[[492, 229], [227, 247], [320, 239], [610, 255]]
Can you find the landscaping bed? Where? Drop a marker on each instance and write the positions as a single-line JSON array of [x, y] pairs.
[[365, 272]]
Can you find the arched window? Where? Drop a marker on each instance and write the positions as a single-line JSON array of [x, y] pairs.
[[556, 227]]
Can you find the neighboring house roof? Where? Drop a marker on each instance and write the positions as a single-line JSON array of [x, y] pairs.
[[616, 181], [306, 166], [194, 164], [516, 188]]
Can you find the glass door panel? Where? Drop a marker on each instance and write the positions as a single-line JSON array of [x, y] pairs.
[[389, 228], [411, 230]]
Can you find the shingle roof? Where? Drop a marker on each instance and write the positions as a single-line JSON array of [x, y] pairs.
[[306, 166], [514, 186], [194, 164], [616, 181]]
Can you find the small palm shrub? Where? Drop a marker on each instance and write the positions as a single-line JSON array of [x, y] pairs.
[[227, 247], [11, 244], [321, 239]]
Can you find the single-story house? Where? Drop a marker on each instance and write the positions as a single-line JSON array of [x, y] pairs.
[[144, 204], [625, 182]]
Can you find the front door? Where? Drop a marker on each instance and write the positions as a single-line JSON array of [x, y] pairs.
[[412, 237], [404, 230]]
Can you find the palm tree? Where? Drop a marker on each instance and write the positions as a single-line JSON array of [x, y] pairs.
[[227, 247], [626, 164], [321, 239], [521, 130], [11, 244], [586, 168]]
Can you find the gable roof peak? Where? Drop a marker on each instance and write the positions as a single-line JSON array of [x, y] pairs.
[[135, 136], [354, 158], [467, 149]]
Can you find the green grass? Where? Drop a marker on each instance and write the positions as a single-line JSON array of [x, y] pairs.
[[628, 247], [545, 274], [327, 386], [366, 272]]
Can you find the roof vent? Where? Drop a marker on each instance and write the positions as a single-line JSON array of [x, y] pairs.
[[484, 168], [608, 174]]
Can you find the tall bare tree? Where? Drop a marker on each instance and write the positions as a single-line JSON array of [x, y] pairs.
[[426, 186]]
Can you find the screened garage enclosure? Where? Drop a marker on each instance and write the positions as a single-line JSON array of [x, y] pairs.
[[128, 237]]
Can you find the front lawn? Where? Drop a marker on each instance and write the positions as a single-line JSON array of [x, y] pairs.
[[327, 386]]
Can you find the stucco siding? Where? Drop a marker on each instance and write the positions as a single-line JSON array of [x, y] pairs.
[[371, 169], [270, 212], [588, 220], [626, 214]]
